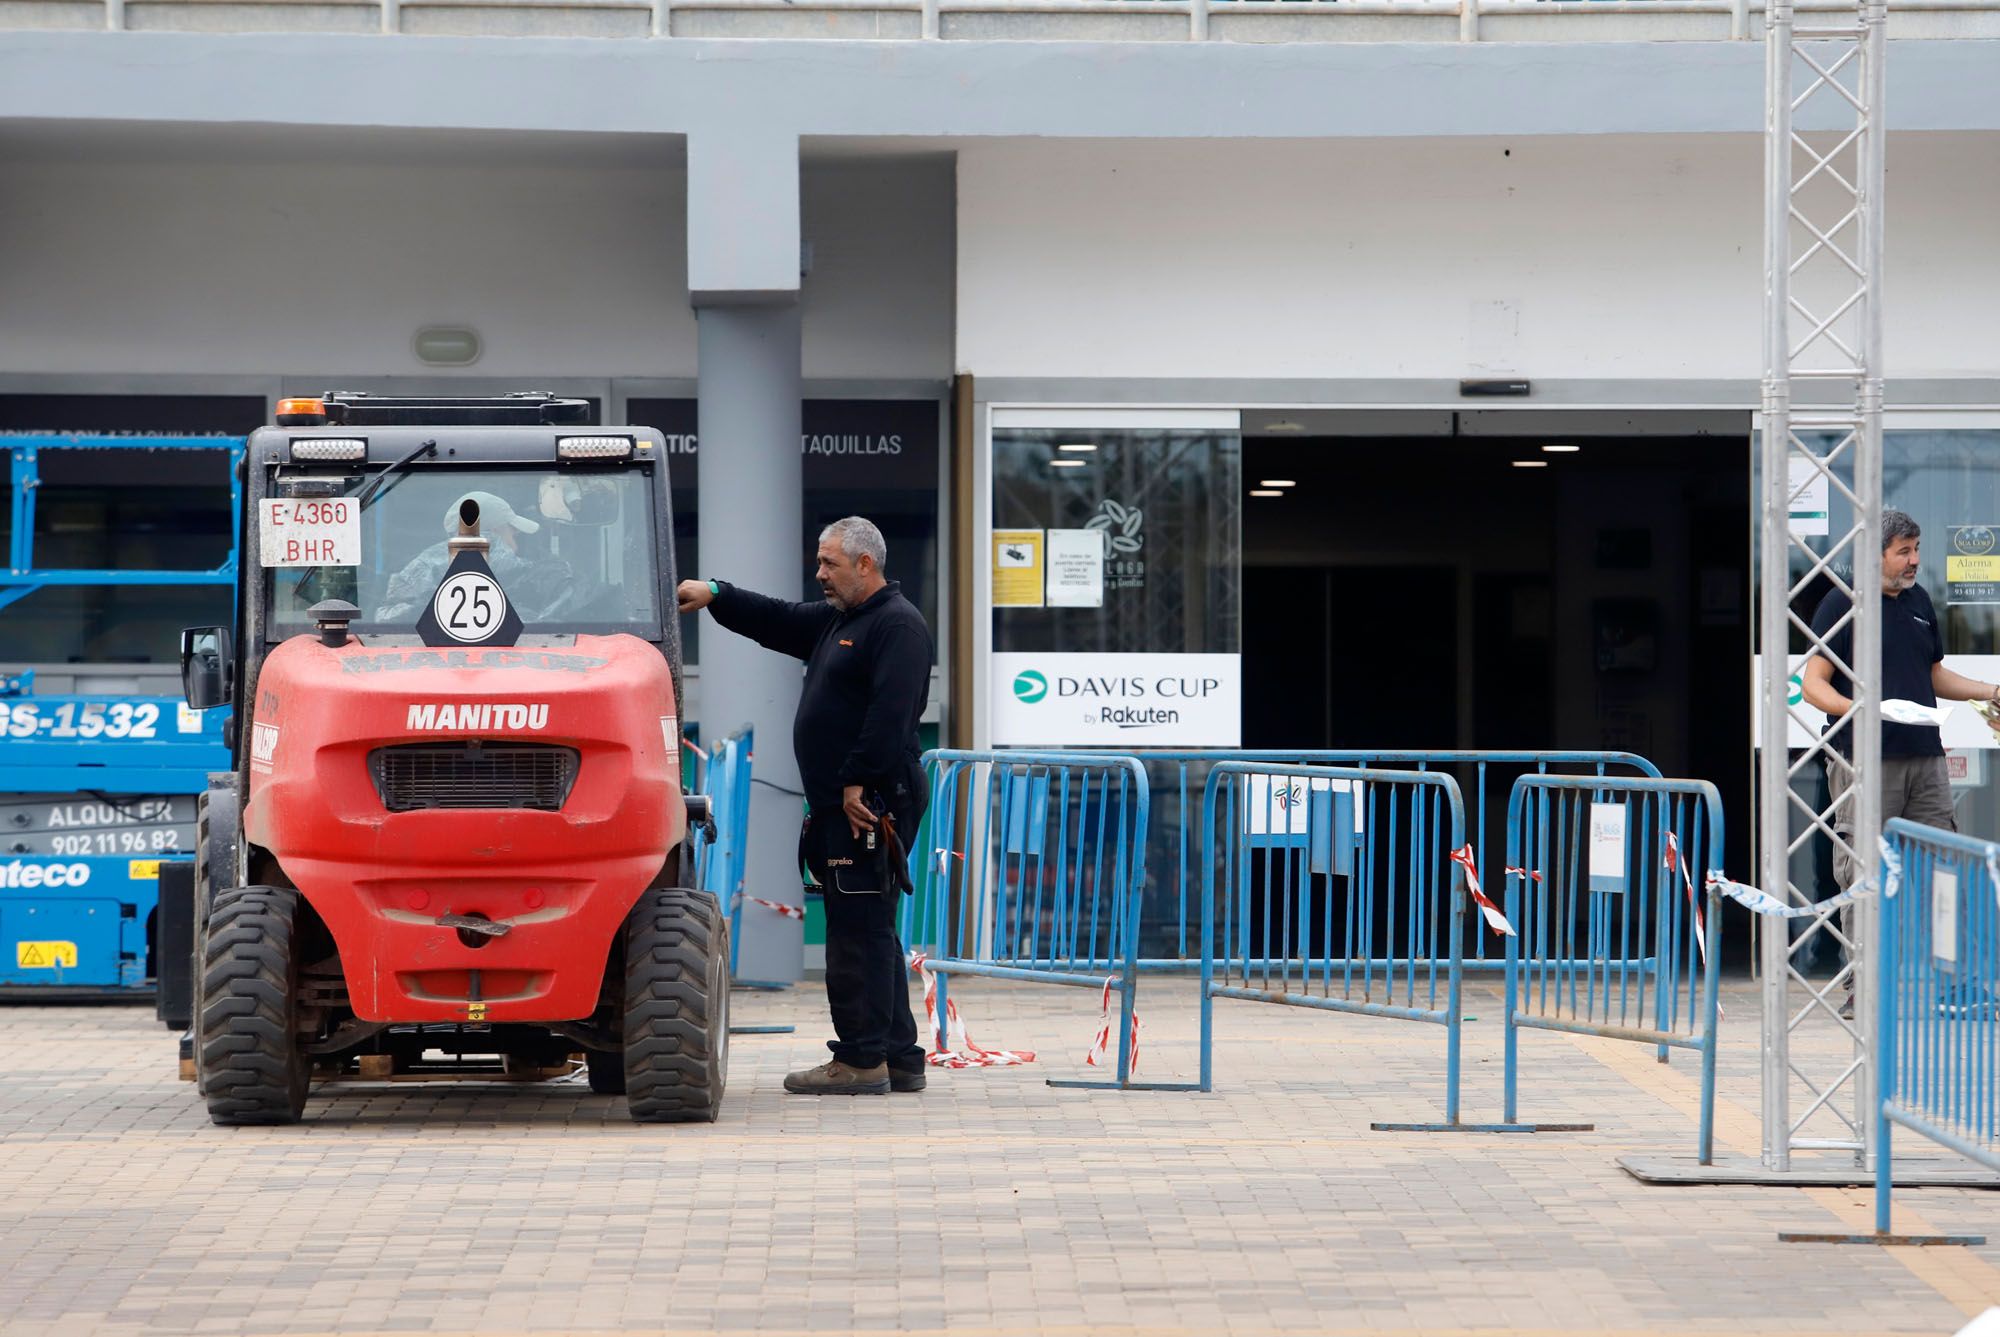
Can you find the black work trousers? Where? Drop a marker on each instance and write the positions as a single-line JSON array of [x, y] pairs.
[[868, 982], [867, 977]]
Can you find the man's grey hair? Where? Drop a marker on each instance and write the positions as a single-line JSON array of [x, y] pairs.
[[857, 536], [1895, 525]]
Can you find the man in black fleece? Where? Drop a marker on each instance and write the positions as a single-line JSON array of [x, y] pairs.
[[868, 670]]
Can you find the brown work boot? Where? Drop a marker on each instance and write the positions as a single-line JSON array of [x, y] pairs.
[[907, 1081], [834, 1078]]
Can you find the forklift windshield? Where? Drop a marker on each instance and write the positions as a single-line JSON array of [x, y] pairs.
[[574, 549]]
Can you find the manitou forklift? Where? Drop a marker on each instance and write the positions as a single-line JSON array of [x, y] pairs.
[[454, 842]]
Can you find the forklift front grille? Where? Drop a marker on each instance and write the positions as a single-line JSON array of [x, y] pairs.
[[415, 776]]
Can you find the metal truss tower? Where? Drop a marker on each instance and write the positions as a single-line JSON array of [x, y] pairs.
[[1821, 455]]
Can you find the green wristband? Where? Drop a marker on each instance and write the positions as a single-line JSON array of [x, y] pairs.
[[715, 587]]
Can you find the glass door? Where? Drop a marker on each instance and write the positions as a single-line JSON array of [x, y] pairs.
[[1114, 579]]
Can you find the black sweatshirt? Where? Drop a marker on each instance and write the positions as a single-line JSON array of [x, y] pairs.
[[868, 677]]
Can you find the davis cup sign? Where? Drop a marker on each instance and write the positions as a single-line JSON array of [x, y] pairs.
[[1112, 700]]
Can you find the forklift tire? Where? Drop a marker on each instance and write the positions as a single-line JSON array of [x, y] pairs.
[[606, 1070], [216, 822], [253, 1068], [676, 1006]]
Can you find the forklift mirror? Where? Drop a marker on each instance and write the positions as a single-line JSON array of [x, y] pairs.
[[206, 667]]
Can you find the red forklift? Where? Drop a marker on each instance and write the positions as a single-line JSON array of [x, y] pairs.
[[454, 843]]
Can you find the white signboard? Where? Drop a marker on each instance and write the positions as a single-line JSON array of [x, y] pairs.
[[1962, 728], [1607, 847], [1281, 805], [309, 531], [1076, 568], [1808, 496], [1112, 700]]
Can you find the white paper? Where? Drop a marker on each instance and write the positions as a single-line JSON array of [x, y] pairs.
[[1909, 712], [1944, 915], [1076, 568], [309, 531], [1607, 847]]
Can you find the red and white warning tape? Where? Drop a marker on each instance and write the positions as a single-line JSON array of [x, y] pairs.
[[953, 1048], [797, 912], [1528, 873], [1675, 861], [1496, 921], [1101, 1046], [1676, 864]]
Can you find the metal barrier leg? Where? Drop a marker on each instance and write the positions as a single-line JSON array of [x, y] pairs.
[[1454, 1036], [1884, 1186], [1122, 1081], [1511, 1107]]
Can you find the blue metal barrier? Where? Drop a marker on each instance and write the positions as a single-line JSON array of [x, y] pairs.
[[724, 776], [1168, 928], [1937, 1046], [1605, 887], [1034, 871], [1340, 889]]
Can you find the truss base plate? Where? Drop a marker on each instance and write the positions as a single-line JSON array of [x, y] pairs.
[[1911, 1172], [1834, 1237]]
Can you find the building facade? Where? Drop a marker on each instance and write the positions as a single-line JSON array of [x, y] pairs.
[[1290, 374]]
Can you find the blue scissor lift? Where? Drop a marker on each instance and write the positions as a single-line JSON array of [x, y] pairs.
[[96, 790]]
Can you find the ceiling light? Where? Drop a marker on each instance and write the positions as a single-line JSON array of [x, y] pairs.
[[1079, 446], [1531, 464], [1279, 482], [1067, 464], [1284, 425], [1562, 450], [1265, 492]]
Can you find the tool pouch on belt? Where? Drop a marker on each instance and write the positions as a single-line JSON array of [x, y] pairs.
[[843, 864], [863, 865]]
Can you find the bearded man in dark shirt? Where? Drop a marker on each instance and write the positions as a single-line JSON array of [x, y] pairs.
[[868, 655], [1914, 782]]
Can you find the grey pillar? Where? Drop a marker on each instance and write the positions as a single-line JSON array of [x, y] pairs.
[[743, 278], [751, 535]]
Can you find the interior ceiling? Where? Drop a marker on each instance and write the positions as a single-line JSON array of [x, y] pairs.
[[1350, 466], [1296, 423]]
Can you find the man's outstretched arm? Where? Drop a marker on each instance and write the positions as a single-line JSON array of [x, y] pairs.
[[1948, 685], [789, 628]]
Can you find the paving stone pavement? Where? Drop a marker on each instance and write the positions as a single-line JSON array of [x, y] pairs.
[[990, 1205]]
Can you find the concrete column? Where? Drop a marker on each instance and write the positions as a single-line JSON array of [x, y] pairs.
[[743, 277], [750, 535]]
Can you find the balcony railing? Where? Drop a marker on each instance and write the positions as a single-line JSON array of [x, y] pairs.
[[916, 20]]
